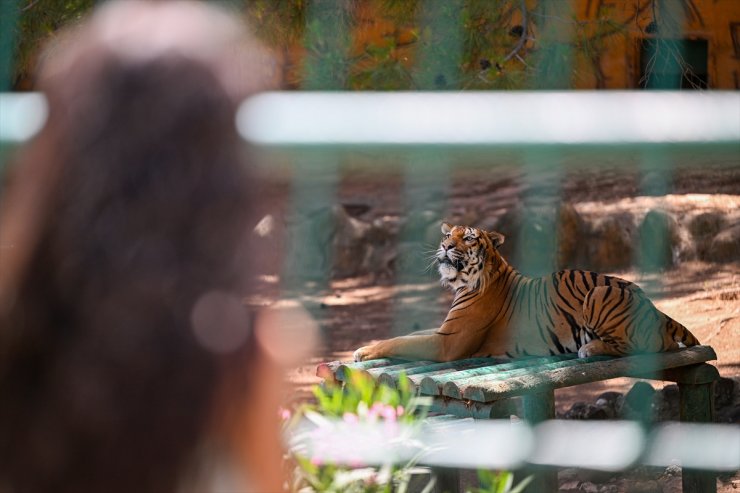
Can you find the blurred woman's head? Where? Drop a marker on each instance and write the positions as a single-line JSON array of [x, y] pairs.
[[124, 233]]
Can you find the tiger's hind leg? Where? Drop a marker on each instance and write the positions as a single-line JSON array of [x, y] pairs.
[[624, 321]]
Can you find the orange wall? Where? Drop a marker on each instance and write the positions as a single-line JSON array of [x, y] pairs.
[[713, 20], [617, 54]]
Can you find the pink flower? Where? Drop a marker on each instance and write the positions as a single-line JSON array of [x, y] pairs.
[[350, 418], [389, 413], [284, 414]]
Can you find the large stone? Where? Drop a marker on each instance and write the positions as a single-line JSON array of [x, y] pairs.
[[541, 239], [639, 402], [570, 236], [611, 243], [349, 244], [724, 392], [706, 225], [611, 403], [667, 403], [583, 410], [725, 247], [659, 240]]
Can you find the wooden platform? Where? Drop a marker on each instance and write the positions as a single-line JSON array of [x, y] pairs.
[[482, 388]]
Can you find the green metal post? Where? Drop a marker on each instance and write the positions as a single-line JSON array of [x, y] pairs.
[[427, 176], [536, 408]]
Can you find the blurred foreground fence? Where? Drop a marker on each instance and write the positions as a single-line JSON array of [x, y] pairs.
[[429, 134], [502, 444]]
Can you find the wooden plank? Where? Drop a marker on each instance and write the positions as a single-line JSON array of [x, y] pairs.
[[693, 374], [464, 364], [327, 370], [398, 368], [432, 385], [390, 378], [628, 366], [441, 418], [341, 371], [457, 388], [478, 410]]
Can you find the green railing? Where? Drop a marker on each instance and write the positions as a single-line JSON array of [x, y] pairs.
[[428, 135]]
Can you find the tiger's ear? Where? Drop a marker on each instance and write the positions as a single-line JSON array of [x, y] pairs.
[[496, 238], [446, 228]]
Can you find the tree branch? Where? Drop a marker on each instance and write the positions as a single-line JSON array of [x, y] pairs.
[[30, 5], [522, 38]]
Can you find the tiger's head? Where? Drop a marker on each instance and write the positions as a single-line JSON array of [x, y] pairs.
[[468, 257]]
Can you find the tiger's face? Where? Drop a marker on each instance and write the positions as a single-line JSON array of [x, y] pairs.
[[465, 255]]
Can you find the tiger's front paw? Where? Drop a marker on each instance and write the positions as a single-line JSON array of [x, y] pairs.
[[362, 354], [596, 348]]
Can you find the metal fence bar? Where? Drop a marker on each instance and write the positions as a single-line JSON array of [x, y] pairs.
[[426, 175], [9, 15], [308, 263]]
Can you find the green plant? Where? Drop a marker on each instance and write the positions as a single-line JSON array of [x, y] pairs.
[[318, 436], [349, 409], [499, 482]]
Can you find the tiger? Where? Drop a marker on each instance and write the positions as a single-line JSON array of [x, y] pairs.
[[497, 311]]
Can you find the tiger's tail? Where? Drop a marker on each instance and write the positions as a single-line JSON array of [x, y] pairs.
[[681, 334]]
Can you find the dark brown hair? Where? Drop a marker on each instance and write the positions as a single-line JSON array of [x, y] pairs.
[[140, 201]]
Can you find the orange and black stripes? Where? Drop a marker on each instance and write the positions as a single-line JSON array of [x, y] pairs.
[[560, 313]]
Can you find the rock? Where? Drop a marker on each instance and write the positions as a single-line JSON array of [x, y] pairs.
[[724, 392], [608, 488], [570, 236], [588, 488], [706, 225], [568, 474], [350, 246], [611, 403], [725, 247], [582, 410], [569, 486], [330, 241], [667, 404], [540, 239], [659, 240], [611, 244], [638, 402], [355, 209], [672, 470], [651, 486]]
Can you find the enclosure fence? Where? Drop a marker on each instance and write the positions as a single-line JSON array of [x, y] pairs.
[[428, 135]]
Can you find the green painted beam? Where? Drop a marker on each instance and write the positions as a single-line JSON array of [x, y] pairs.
[[398, 368], [478, 410], [459, 389], [433, 385], [343, 369], [416, 375], [585, 372]]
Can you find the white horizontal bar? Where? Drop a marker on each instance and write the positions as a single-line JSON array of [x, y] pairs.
[[490, 118], [470, 118], [501, 444]]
